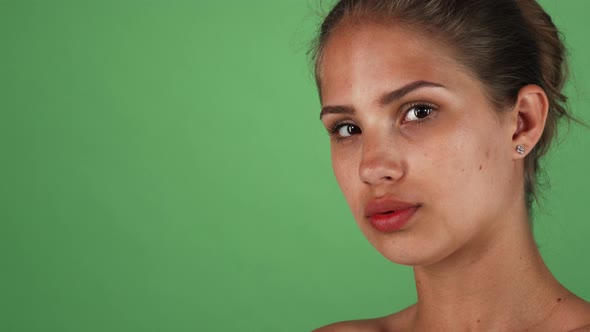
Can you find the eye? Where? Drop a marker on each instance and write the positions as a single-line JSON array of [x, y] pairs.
[[347, 130], [344, 130], [418, 112]]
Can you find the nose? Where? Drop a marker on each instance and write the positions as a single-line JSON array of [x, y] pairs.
[[380, 163]]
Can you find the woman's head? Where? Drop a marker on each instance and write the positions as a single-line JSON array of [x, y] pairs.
[[505, 44], [426, 102]]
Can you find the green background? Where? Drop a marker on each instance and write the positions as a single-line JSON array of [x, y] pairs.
[[163, 169]]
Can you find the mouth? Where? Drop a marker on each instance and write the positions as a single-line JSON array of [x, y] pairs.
[[392, 221], [388, 216]]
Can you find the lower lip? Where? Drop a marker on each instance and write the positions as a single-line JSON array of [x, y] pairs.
[[391, 222]]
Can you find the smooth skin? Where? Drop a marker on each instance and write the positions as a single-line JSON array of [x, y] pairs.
[[410, 123]]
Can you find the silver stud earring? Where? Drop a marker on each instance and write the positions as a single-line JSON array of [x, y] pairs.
[[520, 149]]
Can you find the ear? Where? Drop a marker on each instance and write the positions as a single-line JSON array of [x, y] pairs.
[[531, 110]]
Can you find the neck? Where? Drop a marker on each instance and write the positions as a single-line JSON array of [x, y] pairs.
[[499, 282]]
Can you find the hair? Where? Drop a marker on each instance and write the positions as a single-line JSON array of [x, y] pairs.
[[506, 44]]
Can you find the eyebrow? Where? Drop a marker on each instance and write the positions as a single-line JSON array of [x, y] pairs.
[[386, 99]]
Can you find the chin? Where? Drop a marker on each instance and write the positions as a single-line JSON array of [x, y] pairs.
[[406, 258], [405, 249]]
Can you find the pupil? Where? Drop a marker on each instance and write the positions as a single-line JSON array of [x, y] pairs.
[[351, 129], [421, 112]]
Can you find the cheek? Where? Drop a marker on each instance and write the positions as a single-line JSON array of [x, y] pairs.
[[345, 167], [468, 169]]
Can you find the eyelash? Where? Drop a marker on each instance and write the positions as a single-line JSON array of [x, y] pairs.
[[334, 128], [406, 109]]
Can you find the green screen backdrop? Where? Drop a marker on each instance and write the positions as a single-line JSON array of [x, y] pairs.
[[163, 169]]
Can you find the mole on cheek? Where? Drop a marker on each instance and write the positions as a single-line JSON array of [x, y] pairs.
[[480, 167]]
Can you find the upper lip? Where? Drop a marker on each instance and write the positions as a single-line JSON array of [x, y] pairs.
[[386, 205]]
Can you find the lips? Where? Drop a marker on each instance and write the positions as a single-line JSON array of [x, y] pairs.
[[389, 215]]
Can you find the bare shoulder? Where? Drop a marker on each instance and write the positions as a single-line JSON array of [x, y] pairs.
[[580, 313], [582, 329], [348, 326], [400, 321]]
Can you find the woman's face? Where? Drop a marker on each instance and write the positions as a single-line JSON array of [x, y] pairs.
[[424, 160]]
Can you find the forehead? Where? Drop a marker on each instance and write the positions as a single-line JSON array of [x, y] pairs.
[[363, 61]]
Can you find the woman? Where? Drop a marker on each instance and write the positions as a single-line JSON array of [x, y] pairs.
[[438, 112]]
